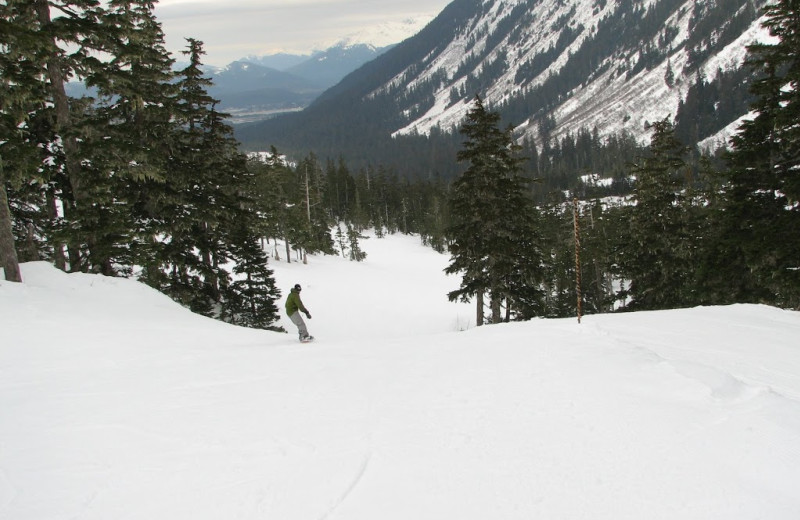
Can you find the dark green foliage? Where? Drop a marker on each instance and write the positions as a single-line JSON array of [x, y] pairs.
[[353, 237], [656, 249], [22, 94], [146, 176], [250, 299], [492, 236], [204, 215], [761, 217], [710, 106], [597, 228]]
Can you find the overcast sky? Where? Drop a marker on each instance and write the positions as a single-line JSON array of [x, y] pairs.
[[232, 29]]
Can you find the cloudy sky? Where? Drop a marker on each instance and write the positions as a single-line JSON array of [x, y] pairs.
[[232, 29]]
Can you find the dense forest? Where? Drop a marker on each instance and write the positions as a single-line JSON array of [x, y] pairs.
[[147, 180]]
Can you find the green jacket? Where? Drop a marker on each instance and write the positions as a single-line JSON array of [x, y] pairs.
[[294, 303]]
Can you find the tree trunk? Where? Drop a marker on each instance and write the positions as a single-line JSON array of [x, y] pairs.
[[479, 310], [31, 251], [58, 248], [497, 316], [8, 250], [64, 122]]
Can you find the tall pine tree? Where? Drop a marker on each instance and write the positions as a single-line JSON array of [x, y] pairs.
[[656, 253], [23, 52], [74, 36], [127, 131], [761, 216], [492, 236]]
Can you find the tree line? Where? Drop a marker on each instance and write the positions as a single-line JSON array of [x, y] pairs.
[[146, 179], [690, 232]]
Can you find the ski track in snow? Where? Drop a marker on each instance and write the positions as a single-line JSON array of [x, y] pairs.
[[352, 486]]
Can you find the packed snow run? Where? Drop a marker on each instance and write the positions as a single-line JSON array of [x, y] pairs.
[[116, 403]]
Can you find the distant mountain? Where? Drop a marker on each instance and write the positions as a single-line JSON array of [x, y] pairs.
[[330, 66], [252, 91], [551, 67], [242, 76], [258, 90], [280, 61]]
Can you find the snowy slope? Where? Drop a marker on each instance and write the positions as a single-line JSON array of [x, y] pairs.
[[607, 98], [117, 403]]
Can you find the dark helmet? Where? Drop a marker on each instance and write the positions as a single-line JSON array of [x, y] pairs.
[[297, 287]]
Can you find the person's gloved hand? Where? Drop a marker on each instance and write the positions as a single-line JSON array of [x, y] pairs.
[[308, 315]]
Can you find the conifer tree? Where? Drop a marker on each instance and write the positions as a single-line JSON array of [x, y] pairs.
[[22, 97], [313, 234], [597, 259], [434, 219], [127, 134], [559, 270], [761, 217], [266, 191], [74, 35], [353, 236], [656, 255], [250, 299], [493, 238], [196, 207]]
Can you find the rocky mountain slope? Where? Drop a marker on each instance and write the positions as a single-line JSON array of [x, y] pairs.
[[551, 67]]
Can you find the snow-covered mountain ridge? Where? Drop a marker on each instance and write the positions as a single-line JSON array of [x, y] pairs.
[[550, 67], [518, 32]]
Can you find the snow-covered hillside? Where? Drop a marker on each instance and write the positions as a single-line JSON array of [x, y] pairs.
[[117, 403], [607, 98]]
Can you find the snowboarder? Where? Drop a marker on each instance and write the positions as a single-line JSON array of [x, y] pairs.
[[294, 306]]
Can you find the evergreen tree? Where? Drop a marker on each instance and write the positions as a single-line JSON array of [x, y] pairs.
[[493, 241], [266, 174], [250, 299], [126, 135], [313, 233], [656, 251], [180, 206], [434, 217], [597, 228], [340, 240], [761, 217], [198, 210], [719, 276], [22, 96], [74, 34], [353, 236], [559, 270]]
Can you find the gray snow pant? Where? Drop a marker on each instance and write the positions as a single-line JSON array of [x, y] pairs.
[[301, 325]]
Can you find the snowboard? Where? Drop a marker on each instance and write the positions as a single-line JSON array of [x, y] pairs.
[[307, 340]]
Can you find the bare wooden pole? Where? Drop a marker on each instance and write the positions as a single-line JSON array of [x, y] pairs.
[[577, 257]]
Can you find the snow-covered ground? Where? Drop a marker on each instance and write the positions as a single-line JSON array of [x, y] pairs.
[[115, 403]]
